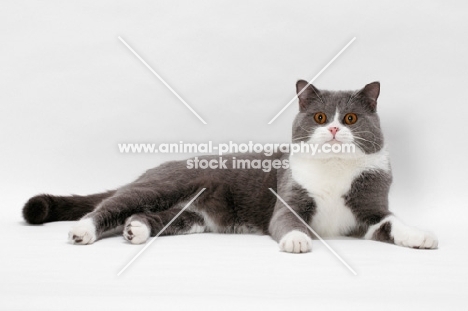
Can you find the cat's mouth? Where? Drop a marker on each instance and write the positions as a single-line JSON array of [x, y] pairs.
[[335, 141]]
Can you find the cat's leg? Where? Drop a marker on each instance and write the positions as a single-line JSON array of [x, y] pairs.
[[113, 212], [156, 190], [139, 227], [293, 237], [290, 233], [108, 215], [368, 200], [391, 230], [127, 201]]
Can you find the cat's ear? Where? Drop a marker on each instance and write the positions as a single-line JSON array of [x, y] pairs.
[[370, 93], [306, 93]]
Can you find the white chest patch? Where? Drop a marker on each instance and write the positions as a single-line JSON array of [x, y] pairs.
[[327, 181]]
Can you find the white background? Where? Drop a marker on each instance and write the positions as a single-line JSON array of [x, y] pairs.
[[70, 91]]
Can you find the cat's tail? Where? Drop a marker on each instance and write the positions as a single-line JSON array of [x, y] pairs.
[[47, 208]]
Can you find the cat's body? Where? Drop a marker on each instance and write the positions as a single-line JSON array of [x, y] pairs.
[[335, 194]]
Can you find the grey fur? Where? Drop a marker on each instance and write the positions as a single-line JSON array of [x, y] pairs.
[[238, 200], [362, 103], [157, 220], [384, 233], [368, 199], [232, 198], [283, 221]]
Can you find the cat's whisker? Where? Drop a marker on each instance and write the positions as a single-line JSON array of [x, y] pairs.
[[307, 131], [374, 144], [357, 129], [370, 141], [297, 138], [360, 145], [365, 132]]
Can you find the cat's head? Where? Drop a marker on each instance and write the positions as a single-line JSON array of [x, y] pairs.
[[338, 117]]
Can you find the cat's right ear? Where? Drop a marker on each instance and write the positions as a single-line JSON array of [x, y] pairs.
[[306, 93]]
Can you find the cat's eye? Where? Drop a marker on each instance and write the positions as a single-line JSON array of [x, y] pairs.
[[320, 117], [350, 118]]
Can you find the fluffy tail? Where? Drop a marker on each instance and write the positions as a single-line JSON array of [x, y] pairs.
[[47, 208]]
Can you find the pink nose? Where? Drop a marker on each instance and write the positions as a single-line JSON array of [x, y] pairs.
[[333, 130]]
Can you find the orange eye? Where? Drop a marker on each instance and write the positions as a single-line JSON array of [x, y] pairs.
[[350, 118], [320, 117]]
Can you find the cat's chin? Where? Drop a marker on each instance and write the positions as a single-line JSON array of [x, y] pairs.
[[335, 141], [331, 149]]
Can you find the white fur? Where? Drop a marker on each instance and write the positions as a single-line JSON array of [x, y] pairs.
[[328, 177], [405, 235], [212, 226], [139, 232], [246, 229], [322, 135], [296, 242], [327, 181], [84, 230], [196, 229], [371, 230]]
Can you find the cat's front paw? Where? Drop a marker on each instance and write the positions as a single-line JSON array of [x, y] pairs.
[[414, 238], [136, 231], [295, 242], [84, 232]]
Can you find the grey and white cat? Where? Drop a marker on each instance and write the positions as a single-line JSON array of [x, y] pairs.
[[336, 194]]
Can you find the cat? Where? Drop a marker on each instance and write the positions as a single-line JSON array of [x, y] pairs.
[[336, 194]]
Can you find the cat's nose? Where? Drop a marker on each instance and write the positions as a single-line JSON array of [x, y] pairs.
[[333, 130]]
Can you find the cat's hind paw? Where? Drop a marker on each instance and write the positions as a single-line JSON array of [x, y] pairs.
[[136, 231], [295, 242], [84, 232]]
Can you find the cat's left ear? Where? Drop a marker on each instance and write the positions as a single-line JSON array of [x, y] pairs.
[[306, 93], [370, 93]]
